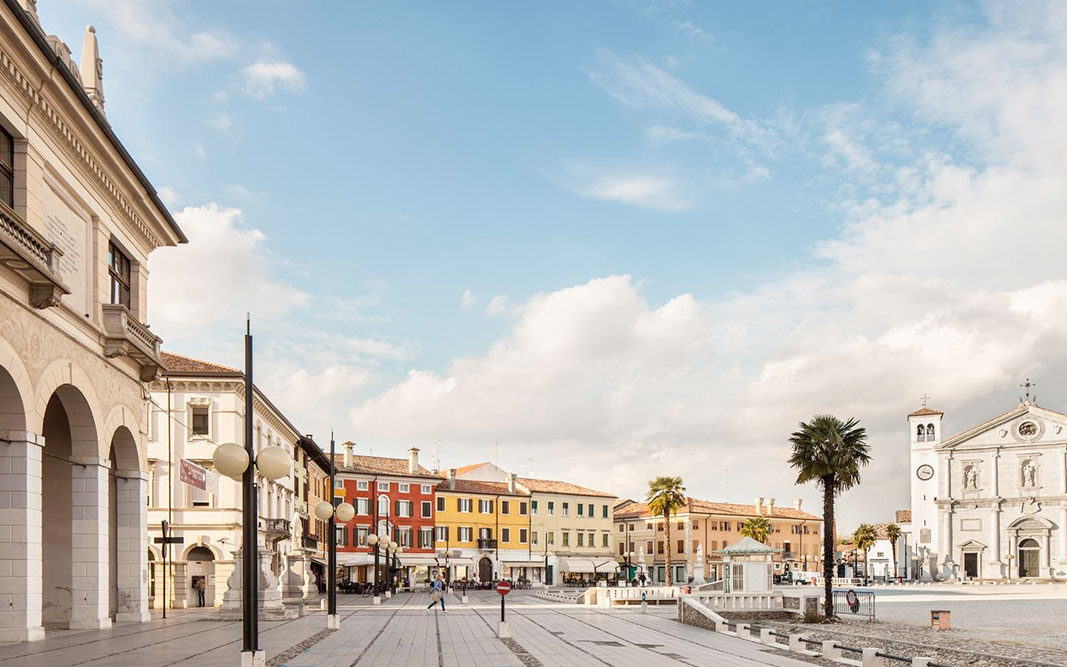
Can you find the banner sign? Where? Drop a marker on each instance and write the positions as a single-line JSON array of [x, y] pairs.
[[193, 475]]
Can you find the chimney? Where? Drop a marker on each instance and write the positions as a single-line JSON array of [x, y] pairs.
[[770, 507], [509, 479], [349, 446], [451, 479], [413, 461], [92, 69], [759, 505], [798, 503]]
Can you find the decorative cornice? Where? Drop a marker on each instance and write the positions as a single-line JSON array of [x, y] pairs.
[[63, 131]]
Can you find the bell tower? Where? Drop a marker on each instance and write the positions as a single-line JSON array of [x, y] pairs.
[[924, 425]]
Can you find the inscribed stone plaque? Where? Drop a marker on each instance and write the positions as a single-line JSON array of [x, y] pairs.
[[971, 524], [69, 230]]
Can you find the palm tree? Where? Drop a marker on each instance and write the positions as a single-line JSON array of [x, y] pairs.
[[864, 538], [892, 533], [756, 527], [830, 453], [665, 497]]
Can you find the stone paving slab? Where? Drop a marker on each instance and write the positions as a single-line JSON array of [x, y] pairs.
[[402, 632]]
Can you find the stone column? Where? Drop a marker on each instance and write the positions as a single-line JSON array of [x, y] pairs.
[[179, 584], [1063, 538], [21, 577], [1046, 555], [994, 541], [996, 474], [90, 597], [132, 549], [946, 547]]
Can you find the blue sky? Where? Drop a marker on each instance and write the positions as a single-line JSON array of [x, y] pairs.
[[611, 237]]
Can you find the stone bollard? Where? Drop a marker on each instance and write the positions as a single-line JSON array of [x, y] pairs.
[[388, 595], [870, 658], [741, 630], [921, 662], [503, 629], [720, 626], [464, 600], [333, 622], [828, 650], [765, 637], [322, 604], [796, 645], [377, 599]]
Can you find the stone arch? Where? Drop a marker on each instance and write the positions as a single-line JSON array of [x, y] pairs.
[[120, 427], [68, 381], [15, 390], [216, 553]]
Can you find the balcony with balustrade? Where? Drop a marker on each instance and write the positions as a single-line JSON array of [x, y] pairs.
[[31, 256], [125, 336], [486, 544]]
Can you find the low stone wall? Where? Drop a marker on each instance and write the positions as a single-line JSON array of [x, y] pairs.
[[688, 615]]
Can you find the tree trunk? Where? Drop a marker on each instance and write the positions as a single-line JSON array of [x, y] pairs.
[[667, 551], [828, 488], [893, 544]]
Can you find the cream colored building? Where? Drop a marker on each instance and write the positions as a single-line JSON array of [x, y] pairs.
[[702, 527], [570, 527], [197, 405], [78, 221]]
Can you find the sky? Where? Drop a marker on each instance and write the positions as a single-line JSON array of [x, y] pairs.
[[610, 240]]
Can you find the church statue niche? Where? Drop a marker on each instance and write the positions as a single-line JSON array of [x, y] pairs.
[[1029, 471], [970, 477]]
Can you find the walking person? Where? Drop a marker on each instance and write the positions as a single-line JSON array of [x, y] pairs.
[[437, 593]]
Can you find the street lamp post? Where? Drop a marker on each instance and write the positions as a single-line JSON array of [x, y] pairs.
[[242, 463], [334, 509]]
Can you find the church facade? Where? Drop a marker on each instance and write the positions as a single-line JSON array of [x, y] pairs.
[[990, 502]]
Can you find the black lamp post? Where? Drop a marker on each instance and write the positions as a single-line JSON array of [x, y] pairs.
[[330, 511]]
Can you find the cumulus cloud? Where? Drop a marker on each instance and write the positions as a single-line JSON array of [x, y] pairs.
[[262, 79], [467, 300], [947, 279]]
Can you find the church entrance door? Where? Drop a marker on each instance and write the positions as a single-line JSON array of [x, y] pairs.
[[1029, 553], [970, 565]]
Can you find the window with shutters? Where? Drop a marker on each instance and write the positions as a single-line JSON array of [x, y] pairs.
[[505, 507], [522, 508], [465, 533], [440, 503], [427, 509], [442, 533], [505, 534], [464, 505], [341, 535], [604, 540], [120, 272], [522, 536], [566, 539], [7, 168], [426, 537], [363, 506], [581, 539], [579, 509]]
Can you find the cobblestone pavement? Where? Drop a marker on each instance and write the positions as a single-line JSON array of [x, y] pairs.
[[401, 632]]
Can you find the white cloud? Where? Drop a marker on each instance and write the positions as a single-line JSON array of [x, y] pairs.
[[168, 195], [633, 188], [467, 300], [262, 79], [948, 279], [499, 305]]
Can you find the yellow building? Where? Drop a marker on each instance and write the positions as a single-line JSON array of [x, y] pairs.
[[483, 529]]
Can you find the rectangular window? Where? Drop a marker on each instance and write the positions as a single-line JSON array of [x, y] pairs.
[[465, 533], [533, 507], [681, 525], [404, 508], [440, 503], [622, 548], [485, 506], [551, 508], [648, 547], [566, 509], [383, 486], [426, 538], [464, 505], [592, 512], [522, 536], [363, 506], [659, 527], [427, 509], [522, 508], [485, 533], [505, 534], [533, 537], [579, 509], [505, 507], [442, 533], [725, 525], [695, 545], [7, 168], [361, 535], [426, 490], [361, 485], [621, 527], [200, 420], [648, 526], [605, 540], [659, 547], [581, 539], [681, 546], [404, 488], [592, 539], [604, 511], [341, 535], [405, 537], [740, 525], [551, 537], [567, 539], [119, 271]]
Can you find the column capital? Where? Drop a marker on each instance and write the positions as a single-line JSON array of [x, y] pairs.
[[90, 461], [28, 437]]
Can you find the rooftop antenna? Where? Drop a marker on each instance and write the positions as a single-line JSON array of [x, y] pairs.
[[437, 457], [496, 453]]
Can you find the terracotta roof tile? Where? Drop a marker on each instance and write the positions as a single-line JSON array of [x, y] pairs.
[[555, 486], [379, 465], [635, 510], [466, 469], [178, 364], [484, 488], [924, 411]]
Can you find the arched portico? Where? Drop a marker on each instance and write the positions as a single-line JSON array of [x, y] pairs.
[[127, 538]]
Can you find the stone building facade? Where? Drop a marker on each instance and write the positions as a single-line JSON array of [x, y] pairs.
[[990, 502], [78, 220]]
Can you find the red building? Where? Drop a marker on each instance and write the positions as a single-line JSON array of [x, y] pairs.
[[393, 497]]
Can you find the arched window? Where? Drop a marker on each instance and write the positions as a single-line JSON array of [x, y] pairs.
[[383, 505], [929, 431], [920, 433]]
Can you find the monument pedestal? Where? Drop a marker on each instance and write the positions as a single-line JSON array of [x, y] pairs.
[[269, 600]]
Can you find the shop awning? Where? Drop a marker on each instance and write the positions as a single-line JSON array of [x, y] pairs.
[[523, 562], [587, 565], [456, 561], [411, 560], [356, 560]]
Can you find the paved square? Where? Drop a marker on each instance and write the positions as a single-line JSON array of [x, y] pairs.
[[402, 632]]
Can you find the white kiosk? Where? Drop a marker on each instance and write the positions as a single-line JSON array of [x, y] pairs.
[[747, 566]]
